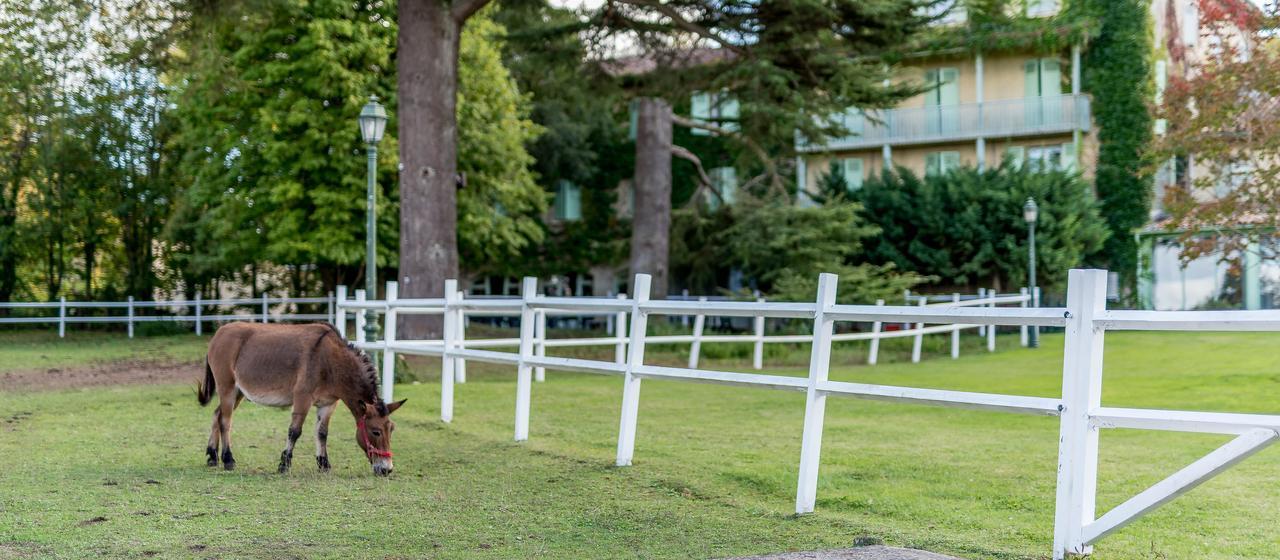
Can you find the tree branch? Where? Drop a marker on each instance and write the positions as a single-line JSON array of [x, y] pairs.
[[704, 182], [682, 23], [463, 9], [770, 166]]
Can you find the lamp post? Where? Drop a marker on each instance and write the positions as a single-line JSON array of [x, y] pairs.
[[1030, 213], [373, 122]]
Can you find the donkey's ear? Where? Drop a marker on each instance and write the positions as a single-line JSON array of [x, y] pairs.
[[395, 405], [364, 408]]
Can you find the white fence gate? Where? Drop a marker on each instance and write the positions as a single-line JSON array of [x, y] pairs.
[[1079, 409]]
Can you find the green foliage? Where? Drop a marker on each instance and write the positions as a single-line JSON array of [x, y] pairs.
[[994, 26], [1117, 73], [275, 163], [493, 129], [966, 227], [783, 248]]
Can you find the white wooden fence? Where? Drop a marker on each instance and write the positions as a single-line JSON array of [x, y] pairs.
[[193, 311], [1079, 408]]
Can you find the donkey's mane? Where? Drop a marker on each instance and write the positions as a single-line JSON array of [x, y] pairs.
[[366, 366]]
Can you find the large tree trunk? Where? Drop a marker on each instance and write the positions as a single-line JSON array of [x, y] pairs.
[[427, 61], [651, 220]]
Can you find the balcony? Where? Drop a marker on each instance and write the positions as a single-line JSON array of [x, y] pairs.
[[1032, 116]]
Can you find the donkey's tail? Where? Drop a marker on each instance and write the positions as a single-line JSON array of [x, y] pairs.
[[204, 393]]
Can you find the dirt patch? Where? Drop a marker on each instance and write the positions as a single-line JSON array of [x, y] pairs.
[[129, 372]]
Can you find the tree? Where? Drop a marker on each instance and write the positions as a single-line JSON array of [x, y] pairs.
[[1117, 73], [965, 228], [1219, 110], [755, 56], [427, 86], [782, 248]]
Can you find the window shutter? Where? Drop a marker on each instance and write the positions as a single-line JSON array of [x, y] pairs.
[[932, 164], [1031, 78], [1050, 77], [1069, 156], [700, 110], [1016, 154], [729, 110], [931, 80], [950, 161], [853, 173], [573, 202]]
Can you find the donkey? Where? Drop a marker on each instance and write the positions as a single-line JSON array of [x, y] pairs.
[[299, 366]]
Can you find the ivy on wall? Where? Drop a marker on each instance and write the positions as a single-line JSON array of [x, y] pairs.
[[1117, 73]]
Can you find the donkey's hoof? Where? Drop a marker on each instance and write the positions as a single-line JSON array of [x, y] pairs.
[[213, 456], [231, 465], [286, 459], [323, 462]]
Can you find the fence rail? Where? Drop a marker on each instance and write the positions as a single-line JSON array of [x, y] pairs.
[[1079, 410], [195, 311]]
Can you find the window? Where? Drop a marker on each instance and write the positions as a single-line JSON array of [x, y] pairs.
[[1052, 157], [1017, 155], [851, 170], [1041, 8], [720, 109], [725, 181], [942, 102], [940, 163], [568, 205], [1042, 86]]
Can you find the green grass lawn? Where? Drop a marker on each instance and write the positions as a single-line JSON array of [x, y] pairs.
[[714, 473]]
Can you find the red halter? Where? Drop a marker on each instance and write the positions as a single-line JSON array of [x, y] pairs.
[[368, 446]]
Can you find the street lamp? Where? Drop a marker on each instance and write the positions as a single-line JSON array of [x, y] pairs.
[[1030, 212], [373, 122]]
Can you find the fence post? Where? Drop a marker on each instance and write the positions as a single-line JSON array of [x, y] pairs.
[[874, 354], [540, 349], [955, 333], [328, 304], [62, 317], [528, 290], [757, 355], [982, 294], [699, 322], [620, 328], [447, 362], [339, 312], [130, 316], [991, 329], [919, 339], [815, 404], [1023, 330], [684, 319], [1081, 393], [199, 314], [631, 383], [360, 315], [264, 307], [459, 335], [389, 337]]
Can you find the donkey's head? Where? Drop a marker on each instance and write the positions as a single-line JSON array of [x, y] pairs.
[[373, 433]]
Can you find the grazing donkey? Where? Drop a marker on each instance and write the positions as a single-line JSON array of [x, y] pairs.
[[299, 366]]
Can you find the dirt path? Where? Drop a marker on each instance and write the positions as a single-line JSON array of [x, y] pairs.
[[128, 372]]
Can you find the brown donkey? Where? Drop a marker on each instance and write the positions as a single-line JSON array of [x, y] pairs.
[[299, 366]]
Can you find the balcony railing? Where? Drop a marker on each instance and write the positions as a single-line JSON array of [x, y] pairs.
[[1030, 116]]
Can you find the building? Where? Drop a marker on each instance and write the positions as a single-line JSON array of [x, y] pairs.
[[1023, 104], [1026, 104]]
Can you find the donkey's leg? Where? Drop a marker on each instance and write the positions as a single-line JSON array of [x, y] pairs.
[[300, 407], [212, 449], [323, 414], [226, 405]]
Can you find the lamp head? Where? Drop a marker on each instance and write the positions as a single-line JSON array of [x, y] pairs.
[[373, 121]]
